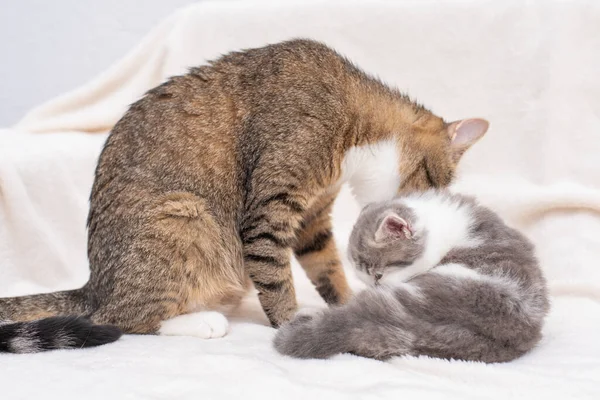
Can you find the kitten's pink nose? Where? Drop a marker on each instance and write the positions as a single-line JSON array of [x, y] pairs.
[[378, 276]]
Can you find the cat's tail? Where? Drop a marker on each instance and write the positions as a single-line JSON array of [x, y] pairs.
[[41, 322], [54, 333]]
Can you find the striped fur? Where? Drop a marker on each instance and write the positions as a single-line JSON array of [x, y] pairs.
[[215, 178]]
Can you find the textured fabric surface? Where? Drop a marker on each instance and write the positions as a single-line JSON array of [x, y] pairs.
[[530, 69]]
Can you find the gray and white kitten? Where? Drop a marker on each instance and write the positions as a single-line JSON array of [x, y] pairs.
[[448, 279]]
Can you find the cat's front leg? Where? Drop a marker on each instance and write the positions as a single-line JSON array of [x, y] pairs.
[[316, 252], [267, 235]]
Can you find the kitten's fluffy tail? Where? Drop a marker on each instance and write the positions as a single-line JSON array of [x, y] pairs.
[[54, 333], [50, 323], [446, 318]]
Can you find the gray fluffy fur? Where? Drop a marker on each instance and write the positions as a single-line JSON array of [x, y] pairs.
[[488, 319]]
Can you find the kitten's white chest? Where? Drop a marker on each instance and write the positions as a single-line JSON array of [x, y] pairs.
[[373, 171]]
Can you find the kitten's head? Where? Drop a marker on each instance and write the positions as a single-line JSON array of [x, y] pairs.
[[384, 241], [430, 154]]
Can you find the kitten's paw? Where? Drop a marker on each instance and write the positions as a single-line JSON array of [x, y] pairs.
[[204, 325], [299, 338], [305, 315], [288, 339]]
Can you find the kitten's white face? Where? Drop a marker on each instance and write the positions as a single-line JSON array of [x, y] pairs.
[[395, 241], [384, 245], [388, 276]]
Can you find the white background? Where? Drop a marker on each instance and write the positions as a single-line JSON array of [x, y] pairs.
[[48, 47]]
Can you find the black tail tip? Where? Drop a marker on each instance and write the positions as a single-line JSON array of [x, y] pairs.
[[55, 333], [84, 333], [102, 334]]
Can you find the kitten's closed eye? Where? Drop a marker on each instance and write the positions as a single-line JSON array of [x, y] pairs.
[[398, 264]]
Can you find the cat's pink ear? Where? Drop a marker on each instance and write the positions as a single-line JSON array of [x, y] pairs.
[[463, 134], [393, 227]]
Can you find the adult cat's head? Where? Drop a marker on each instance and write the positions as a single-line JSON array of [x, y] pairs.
[[430, 154], [416, 158]]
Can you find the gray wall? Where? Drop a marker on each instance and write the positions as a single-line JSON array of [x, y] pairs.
[[48, 47]]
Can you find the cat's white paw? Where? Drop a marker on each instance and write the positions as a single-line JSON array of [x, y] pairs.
[[204, 325]]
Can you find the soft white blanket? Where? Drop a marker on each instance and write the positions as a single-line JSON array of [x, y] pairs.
[[530, 68]]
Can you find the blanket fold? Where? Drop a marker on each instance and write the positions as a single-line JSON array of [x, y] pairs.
[[531, 68]]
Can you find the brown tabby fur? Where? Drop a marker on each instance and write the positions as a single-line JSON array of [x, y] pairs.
[[218, 175]]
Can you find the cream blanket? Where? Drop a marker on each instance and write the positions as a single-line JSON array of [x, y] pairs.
[[532, 70]]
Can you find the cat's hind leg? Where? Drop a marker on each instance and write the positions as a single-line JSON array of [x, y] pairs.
[[181, 260], [317, 253]]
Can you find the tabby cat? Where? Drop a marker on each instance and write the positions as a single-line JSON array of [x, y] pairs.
[[210, 182], [448, 279]]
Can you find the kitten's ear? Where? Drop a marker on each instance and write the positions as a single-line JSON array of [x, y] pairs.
[[393, 227], [463, 134]]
